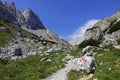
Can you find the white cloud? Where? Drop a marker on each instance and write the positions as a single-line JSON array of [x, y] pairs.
[[78, 35]]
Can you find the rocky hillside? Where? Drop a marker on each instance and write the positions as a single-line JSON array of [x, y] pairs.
[[105, 29], [28, 21], [22, 33]]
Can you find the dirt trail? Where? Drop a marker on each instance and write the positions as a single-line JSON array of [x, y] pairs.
[[86, 77], [62, 73]]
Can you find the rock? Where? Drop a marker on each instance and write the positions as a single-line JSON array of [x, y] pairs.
[[5, 29], [68, 57], [84, 50], [50, 50], [13, 57], [95, 78], [47, 54], [30, 22], [109, 69], [18, 52], [42, 59], [101, 63], [86, 63], [110, 41], [94, 33], [116, 47], [20, 34], [49, 60], [101, 30]]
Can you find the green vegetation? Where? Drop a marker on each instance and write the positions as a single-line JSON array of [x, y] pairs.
[[75, 75], [93, 28], [114, 27], [118, 40], [15, 30], [4, 38], [31, 68], [111, 24], [90, 42], [108, 65]]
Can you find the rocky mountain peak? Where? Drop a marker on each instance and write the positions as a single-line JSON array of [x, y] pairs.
[[28, 21], [116, 15], [27, 11], [12, 5], [32, 20]]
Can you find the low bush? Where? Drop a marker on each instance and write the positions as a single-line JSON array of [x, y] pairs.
[[114, 27], [118, 40], [90, 42]]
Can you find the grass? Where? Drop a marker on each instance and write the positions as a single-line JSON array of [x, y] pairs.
[[75, 75], [114, 27], [110, 59], [118, 40], [31, 68], [15, 30], [92, 28], [111, 24], [4, 38], [110, 68]]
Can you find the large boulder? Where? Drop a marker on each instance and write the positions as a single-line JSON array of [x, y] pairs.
[[86, 63]]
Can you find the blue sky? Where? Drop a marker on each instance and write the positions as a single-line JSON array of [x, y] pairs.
[[64, 17]]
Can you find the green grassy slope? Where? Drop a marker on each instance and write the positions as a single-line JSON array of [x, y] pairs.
[[108, 65], [5, 37], [31, 68]]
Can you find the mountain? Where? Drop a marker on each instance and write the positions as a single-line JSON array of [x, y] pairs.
[[22, 33], [105, 29], [28, 21]]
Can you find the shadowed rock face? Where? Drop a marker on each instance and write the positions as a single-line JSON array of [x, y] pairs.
[[18, 52], [26, 18]]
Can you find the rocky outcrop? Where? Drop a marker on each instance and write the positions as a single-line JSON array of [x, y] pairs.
[[94, 33], [7, 30], [32, 21], [107, 28], [26, 18]]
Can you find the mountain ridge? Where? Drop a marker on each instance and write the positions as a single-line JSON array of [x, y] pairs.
[[28, 21]]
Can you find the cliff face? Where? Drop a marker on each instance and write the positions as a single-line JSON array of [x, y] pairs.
[[26, 18], [105, 28], [28, 21]]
